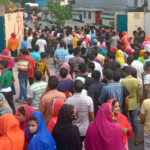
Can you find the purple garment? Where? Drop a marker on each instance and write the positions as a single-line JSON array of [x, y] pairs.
[[103, 133], [65, 85], [103, 46]]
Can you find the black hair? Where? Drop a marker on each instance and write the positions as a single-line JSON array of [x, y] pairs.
[[36, 48], [42, 55], [52, 82], [76, 51], [25, 38], [126, 70], [91, 57], [111, 54], [109, 74], [63, 72], [70, 46], [79, 43], [65, 115], [32, 118], [38, 75], [62, 44], [96, 75], [136, 55], [42, 36], [78, 86], [22, 110], [91, 65], [83, 50], [130, 59], [4, 63], [70, 51], [82, 67], [117, 75], [113, 104], [23, 51]]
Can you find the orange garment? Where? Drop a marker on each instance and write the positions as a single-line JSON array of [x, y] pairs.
[[57, 104], [100, 58], [11, 136], [13, 44]]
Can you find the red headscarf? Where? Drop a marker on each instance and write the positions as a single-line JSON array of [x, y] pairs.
[[13, 35], [28, 111], [114, 49]]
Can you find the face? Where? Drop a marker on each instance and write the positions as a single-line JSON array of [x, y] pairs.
[[21, 117], [32, 126], [1, 103], [117, 108]]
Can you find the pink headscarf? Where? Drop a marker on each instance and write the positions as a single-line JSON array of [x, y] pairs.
[[11, 64], [103, 133], [28, 112], [65, 65]]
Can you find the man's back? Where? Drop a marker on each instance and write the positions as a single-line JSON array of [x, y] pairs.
[[84, 105]]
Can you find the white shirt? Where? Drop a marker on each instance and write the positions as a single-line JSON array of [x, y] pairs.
[[29, 40], [139, 67], [41, 43], [147, 82]]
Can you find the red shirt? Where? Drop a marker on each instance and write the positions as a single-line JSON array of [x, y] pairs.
[[31, 69]]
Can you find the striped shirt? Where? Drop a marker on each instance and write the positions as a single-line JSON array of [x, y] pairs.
[[36, 91]]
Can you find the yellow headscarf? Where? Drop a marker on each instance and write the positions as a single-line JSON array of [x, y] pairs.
[[142, 55], [119, 57]]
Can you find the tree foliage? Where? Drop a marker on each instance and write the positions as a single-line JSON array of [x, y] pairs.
[[61, 13], [6, 3]]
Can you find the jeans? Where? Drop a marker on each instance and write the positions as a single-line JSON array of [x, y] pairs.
[[14, 53], [23, 78], [133, 120]]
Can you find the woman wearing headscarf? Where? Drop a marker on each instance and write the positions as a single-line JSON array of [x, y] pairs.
[[4, 106], [67, 136], [122, 120], [22, 114], [13, 44], [125, 40], [37, 132], [11, 136], [119, 57], [66, 66], [56, 106], [104, 133]]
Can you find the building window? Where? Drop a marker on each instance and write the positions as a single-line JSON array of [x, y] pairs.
[[84, 14], [89, 15]]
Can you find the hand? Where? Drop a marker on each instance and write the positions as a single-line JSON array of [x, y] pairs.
[[60, 64], [125, 130]]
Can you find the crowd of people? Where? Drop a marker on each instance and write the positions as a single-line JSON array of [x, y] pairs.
[[101, 84]]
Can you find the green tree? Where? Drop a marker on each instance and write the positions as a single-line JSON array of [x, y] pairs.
[[61, 13], [6, 3]]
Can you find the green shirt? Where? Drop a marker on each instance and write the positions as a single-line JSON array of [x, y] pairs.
[[133, 86], [6, 79]]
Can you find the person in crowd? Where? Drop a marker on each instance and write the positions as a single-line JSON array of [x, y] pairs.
[[23, 66], [35, 53], [74, 62], [102, 44], [4, 107], [56, 106], [45, 104], [65, 85], [122, 120], [133, 86], [22, 114], [29, 40], [138, 66], [37, 89], [41, 42], [100, 133], [113, 40], [93, 37], [12, 137], [24, 44], [145, 119], [111, 89], [13, 44], [6, 80], [84, 106], [42, 66], [90, 68], [37, 132], [66, 134], [68, 57], [119, 57], [59, 56], [68, 39], [95, 89], [66, 66], [34, 40]]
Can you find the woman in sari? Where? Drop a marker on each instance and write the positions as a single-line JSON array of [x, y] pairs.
[[37, 132], [104, 133], [22, 114], [125, 41], [56, 106], [122, 120], [4, 106], [119, 57], [11, 136]]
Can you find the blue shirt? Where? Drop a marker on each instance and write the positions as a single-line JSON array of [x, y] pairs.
[[93, 36], [36, 56], [60, 54], [111, 90], [24, 45]]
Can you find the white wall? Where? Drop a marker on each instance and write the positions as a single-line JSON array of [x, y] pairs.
[[64, 2], [147, 26], [86, 20]]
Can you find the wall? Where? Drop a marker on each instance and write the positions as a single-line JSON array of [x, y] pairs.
[[64, 2], [14, 23], [147, 26], [135, 20], [87, 20]]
